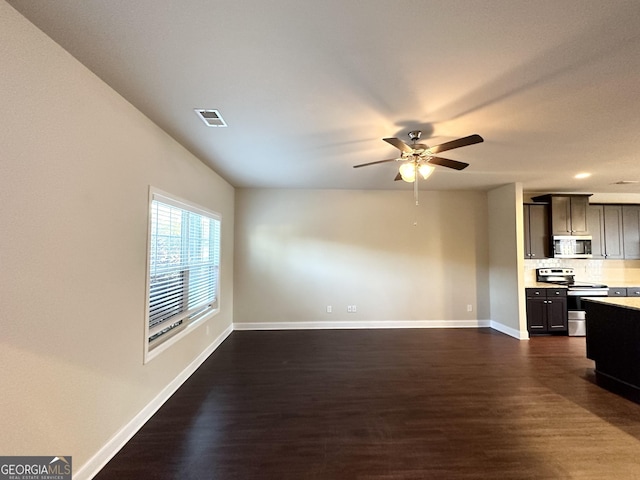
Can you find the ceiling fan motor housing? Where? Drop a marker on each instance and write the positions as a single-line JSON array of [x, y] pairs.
[[415, 135], [419, 149]]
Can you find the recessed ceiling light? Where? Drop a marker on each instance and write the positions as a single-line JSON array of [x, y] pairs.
[[211, 118], [582, 175]]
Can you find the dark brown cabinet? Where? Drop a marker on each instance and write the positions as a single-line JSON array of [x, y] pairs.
[[536, 231], [546, 310], [617, 292], [614, 247], [631, 231], [568, 213], [604, 222], [614, 229], [624, 291], [612, 342]]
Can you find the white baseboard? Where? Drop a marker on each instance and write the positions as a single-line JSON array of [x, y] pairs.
[[512, 332], [384, 324], [113, 446], [363, 324]]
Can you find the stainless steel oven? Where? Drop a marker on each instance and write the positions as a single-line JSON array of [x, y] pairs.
[[576, 291]]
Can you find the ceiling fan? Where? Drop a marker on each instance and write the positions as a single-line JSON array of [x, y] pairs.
[[419, 158]]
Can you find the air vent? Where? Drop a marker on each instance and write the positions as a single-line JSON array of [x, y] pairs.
[[211, 118], [627, 182]]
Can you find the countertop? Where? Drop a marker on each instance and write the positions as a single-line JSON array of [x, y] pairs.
[[632, 303], [622, 284], [542, 285]]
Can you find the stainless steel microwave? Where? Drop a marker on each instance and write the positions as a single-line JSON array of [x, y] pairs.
[[569, 246]]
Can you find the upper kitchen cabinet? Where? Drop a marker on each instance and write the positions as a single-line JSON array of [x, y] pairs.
[[568, 213], [536, 231], [604, 222], [631, 231]]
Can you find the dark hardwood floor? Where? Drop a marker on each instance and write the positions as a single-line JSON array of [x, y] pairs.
[[388, 404]]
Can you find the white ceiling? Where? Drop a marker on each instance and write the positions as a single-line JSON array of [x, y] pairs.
[[310, 88]]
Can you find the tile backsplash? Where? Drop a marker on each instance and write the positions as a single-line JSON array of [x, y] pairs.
[[610, 272]]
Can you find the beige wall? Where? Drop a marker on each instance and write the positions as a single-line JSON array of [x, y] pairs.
[[76, 162], [506, 246], [299, 251]]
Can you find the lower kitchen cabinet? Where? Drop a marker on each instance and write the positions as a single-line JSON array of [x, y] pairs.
[[546, 310], [624, 291], [617, 292]]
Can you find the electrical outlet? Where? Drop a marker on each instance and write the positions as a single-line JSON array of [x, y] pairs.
[[353, 309], [469, 308], [349, 308], [329, 309]]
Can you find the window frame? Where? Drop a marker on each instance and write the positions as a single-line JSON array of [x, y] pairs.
[[188, 321]]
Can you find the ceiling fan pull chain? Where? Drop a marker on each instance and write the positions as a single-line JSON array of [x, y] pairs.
[[415, 182], [415, 191], [415, 196]]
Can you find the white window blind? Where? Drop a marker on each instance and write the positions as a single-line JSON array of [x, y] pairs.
[[184, 262]]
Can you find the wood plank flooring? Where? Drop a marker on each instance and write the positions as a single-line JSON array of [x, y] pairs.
[[388, 404]]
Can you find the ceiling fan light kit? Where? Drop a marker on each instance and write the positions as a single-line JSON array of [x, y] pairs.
[[425, 170], [408, 171]]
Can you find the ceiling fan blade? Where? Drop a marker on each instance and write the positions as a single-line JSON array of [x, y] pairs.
[[374, 163], [399, 144], [460, 142], [398, 177], [445, 162]]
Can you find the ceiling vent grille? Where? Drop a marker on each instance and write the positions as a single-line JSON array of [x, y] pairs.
[[211, 118]]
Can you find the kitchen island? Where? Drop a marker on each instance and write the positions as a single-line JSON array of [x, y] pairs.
[[613, 342]]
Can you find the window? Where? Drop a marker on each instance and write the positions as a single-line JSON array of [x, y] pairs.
[[184, 263]]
